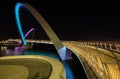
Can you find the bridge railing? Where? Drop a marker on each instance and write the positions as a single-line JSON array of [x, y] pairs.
[[110, 45], [105, 63]]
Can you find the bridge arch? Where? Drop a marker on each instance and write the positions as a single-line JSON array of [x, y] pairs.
[[32, 29], [62, 50]]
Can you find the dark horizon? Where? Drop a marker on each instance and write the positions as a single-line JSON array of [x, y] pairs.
[[70, 20]]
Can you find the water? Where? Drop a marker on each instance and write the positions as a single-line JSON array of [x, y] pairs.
[[41, 53]]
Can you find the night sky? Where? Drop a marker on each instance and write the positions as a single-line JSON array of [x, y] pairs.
[[71, 20]]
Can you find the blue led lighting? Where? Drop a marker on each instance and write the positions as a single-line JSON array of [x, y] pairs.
[[62, 51], [69, 73], [17, 8]]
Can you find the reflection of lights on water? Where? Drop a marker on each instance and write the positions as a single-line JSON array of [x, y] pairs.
[[3, 48], [40, 53]]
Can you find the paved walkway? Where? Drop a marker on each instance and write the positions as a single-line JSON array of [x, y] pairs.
[[57, 71]]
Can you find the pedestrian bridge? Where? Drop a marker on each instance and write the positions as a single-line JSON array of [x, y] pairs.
[[67, 59], [70, 59]]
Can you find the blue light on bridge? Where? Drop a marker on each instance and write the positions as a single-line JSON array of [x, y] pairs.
[[62, 51], [69, 73], [17, 8]]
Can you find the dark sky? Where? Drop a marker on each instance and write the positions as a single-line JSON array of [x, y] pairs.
[[70, 19]]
